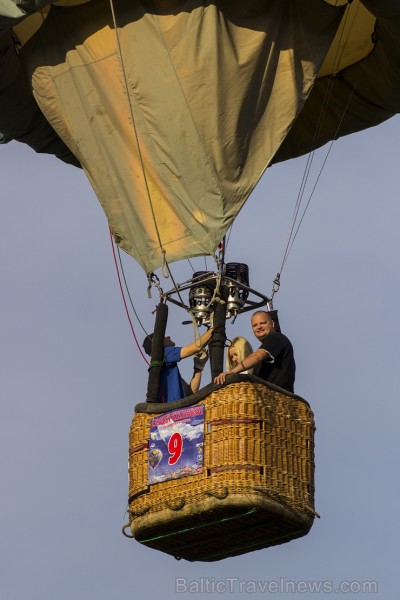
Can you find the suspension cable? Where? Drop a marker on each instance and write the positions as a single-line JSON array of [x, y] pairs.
[[121, 60], [322, 167], [314, 144], [165, 267], [128, 292], [124, 300]]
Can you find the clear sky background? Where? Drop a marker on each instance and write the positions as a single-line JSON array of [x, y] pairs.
[[71, 375]]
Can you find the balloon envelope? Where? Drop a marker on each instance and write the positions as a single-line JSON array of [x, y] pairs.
[[174, 109]]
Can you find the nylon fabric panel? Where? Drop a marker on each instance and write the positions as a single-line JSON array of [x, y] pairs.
[[361, 96], [213, 93]]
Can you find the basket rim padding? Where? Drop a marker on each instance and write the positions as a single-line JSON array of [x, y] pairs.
[[159, 408]]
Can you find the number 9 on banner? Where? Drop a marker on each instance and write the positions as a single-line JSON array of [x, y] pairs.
[[175, 446]]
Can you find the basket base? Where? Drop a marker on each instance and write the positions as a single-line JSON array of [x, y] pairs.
[[225, 528]]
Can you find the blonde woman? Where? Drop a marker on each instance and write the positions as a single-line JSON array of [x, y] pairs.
[[238, 349]]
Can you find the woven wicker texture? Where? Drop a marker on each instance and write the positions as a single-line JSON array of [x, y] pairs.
[[257, 485]]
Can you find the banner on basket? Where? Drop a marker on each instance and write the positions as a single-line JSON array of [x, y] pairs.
[[176, 444]]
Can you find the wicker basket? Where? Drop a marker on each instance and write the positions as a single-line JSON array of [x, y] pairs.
[[255, 488]]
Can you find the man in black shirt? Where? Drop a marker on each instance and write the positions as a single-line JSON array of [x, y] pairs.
[[274, 360], [278, 365]]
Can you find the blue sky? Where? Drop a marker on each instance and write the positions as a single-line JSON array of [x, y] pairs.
[[71, 375]]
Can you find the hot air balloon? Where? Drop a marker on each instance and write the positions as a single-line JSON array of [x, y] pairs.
[[174, 109]]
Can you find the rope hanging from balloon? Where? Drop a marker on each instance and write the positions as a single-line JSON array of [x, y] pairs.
[[152, 278], [166, 270], [293, 229], [125, 303]]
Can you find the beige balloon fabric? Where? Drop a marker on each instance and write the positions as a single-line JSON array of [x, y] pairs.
[[174, 109]]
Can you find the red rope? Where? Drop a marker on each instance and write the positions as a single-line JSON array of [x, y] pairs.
[[123, 298]]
